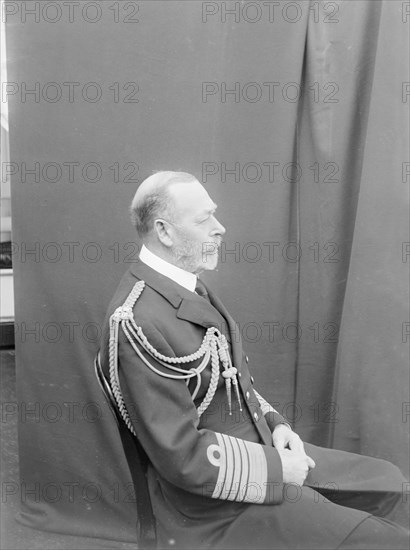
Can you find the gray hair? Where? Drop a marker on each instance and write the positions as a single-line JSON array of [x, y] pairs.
[[153, 199]]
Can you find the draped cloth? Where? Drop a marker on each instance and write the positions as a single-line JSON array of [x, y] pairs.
[[296, 122]]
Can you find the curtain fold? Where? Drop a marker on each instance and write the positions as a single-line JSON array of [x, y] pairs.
[[372, 366], [339, 76]]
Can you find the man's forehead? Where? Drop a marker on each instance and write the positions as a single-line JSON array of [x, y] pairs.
[[191, 196]]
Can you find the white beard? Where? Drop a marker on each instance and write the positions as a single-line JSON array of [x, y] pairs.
[[196, 257]]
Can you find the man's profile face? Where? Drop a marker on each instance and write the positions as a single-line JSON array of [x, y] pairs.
[[196, 233]]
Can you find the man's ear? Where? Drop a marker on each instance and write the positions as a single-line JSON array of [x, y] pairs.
[[163, 231]]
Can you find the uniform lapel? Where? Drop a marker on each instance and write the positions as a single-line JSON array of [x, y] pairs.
[[197, 310], [233, 334], [189, 305]]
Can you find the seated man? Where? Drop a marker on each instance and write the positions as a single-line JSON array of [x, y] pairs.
[[220, 455]]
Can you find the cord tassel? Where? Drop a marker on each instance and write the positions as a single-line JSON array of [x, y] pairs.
[[228, 394], [230, 378], [236, 386]]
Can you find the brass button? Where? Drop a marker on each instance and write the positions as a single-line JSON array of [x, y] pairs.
[[246, 358], [240, 374], [252, 380], [247, 395], [255, 415]]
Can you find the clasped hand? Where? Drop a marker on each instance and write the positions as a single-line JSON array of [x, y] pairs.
[[295, 462]]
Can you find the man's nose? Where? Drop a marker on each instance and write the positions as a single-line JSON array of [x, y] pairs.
[[220, 229]]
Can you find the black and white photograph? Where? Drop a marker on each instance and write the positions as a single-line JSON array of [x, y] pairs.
[[204, 275]]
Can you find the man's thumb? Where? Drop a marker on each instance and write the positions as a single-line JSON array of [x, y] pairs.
[[278, 443]]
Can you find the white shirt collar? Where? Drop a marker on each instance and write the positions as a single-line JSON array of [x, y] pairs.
[[178, 275]]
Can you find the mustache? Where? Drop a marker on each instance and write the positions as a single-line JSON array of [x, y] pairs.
[[210, 247]]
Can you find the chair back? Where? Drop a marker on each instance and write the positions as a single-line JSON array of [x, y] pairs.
[[138, 462]]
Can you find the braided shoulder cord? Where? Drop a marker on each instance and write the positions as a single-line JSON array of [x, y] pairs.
[[214, 346], [213, 383], [115, 320]]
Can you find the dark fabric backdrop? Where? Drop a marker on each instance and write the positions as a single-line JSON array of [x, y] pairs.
[[312, 265]]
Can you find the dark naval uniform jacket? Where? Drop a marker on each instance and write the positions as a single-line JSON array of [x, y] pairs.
[[216, 481]]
